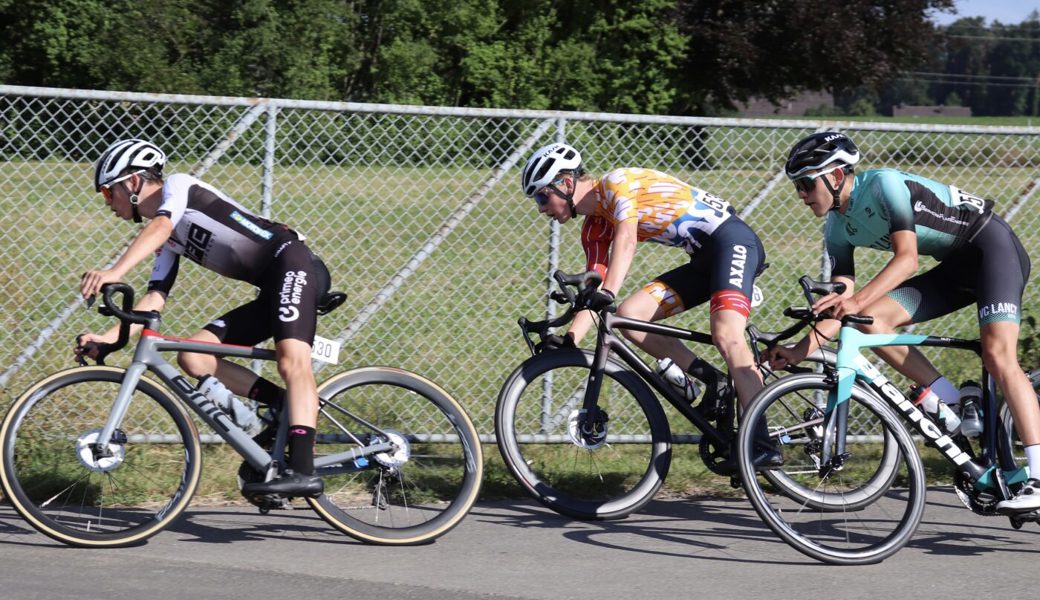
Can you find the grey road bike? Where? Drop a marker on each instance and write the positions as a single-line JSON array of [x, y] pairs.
[[584, 434], [985, 470], [103, 456]]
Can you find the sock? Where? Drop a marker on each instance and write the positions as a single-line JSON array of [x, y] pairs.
[[301, 449], [1033, 459], [265, 392], [700, 369], [946, 391]]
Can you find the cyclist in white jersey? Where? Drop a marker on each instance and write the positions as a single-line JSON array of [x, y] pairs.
[[981, 262], [190, 218]]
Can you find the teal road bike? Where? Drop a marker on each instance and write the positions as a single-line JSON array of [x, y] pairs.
[[986, 470]]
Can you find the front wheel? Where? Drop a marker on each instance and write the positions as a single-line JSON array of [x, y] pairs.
[[837, 533], [400, 458], [66, 487], [539, 423]]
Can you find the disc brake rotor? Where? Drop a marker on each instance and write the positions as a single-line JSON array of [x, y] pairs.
[[114, 456]]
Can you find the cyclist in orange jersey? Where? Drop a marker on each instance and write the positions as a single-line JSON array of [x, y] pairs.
[[631, 205]]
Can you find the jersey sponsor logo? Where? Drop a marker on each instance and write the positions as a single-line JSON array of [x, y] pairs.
[[920, 207], [284, 245], [291, 294], [736, 266], [251, 226], [198, 242], [999, 308]]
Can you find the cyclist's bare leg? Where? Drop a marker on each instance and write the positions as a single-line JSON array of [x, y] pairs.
[[294, 365], [237, 378], [908, 360], [727, 332], [643, 306], [1000, 355]]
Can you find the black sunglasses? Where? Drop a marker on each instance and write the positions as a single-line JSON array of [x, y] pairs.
[[541, 197], [807, 183]]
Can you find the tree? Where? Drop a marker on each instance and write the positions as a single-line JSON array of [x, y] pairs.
[[775, 48]]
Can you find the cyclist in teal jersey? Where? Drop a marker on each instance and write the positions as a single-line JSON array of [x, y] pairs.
[[981, 261]]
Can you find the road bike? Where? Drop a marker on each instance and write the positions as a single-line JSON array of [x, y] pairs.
[[103, 456], [584, 434], [985, 471]]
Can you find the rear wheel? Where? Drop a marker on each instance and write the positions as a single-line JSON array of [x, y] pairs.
[[400, 458]]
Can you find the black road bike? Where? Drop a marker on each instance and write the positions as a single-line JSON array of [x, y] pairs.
[[584, 434]]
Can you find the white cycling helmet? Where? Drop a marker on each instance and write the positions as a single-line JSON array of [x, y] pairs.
[[546, 163], [127, 154]]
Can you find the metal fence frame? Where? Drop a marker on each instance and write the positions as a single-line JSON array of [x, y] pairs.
[[748, 168]]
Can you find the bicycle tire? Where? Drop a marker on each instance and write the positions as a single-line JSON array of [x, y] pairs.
[[851, 537], [58, 486], [589, 482], [787, 478], [415, 494], [1012, 440]]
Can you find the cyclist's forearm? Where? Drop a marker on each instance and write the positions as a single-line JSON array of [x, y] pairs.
[[580, 325]]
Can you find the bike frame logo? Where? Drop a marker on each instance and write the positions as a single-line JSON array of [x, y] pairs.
[[925, 425], [208, 406]]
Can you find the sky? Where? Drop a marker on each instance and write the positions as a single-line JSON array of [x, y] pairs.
[[1008, 12]]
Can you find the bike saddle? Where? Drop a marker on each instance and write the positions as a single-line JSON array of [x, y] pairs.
[[330, 302]]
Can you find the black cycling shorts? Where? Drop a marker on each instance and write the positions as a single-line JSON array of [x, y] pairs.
[[731, 260], [286, 306], [991, 270]]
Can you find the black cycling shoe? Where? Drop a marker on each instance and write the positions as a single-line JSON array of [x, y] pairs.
[[288, 483]]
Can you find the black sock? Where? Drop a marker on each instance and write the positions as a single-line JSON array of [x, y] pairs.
[[267, 393], [301, 449]]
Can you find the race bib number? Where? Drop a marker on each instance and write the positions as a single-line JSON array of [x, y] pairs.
[[756, 296], [962, 199], [325, 350]]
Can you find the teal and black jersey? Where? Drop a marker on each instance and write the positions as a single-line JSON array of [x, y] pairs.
[[884, 201]]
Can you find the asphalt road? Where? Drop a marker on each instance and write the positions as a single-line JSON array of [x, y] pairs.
[[692, 548]]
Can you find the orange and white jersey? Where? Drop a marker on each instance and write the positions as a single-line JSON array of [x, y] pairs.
[[667, 211]]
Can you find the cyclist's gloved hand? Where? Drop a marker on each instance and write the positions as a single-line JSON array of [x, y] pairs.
[[600, 299], [554, 342]]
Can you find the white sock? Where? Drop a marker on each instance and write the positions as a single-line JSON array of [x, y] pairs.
[[1033, 459], [946, 391]]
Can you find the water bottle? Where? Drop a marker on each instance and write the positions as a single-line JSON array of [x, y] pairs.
[[244, 415], [971, 401], [673, 374], [935, 408]]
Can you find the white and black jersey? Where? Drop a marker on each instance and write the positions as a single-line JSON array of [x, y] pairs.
[[215, 232]]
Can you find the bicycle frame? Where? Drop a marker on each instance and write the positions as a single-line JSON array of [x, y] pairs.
[[852, 365], [608, 341], [148, 357]]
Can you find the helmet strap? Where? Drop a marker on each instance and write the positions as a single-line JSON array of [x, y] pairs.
[[836, 193], [569, 196], [135, 200]]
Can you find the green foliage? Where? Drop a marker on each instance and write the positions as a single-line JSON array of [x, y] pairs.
[[651, 57]]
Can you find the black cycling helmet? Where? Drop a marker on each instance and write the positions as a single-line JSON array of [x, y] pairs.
[[820, 150]]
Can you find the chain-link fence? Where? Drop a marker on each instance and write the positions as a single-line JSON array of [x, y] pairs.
[[417, 213]]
